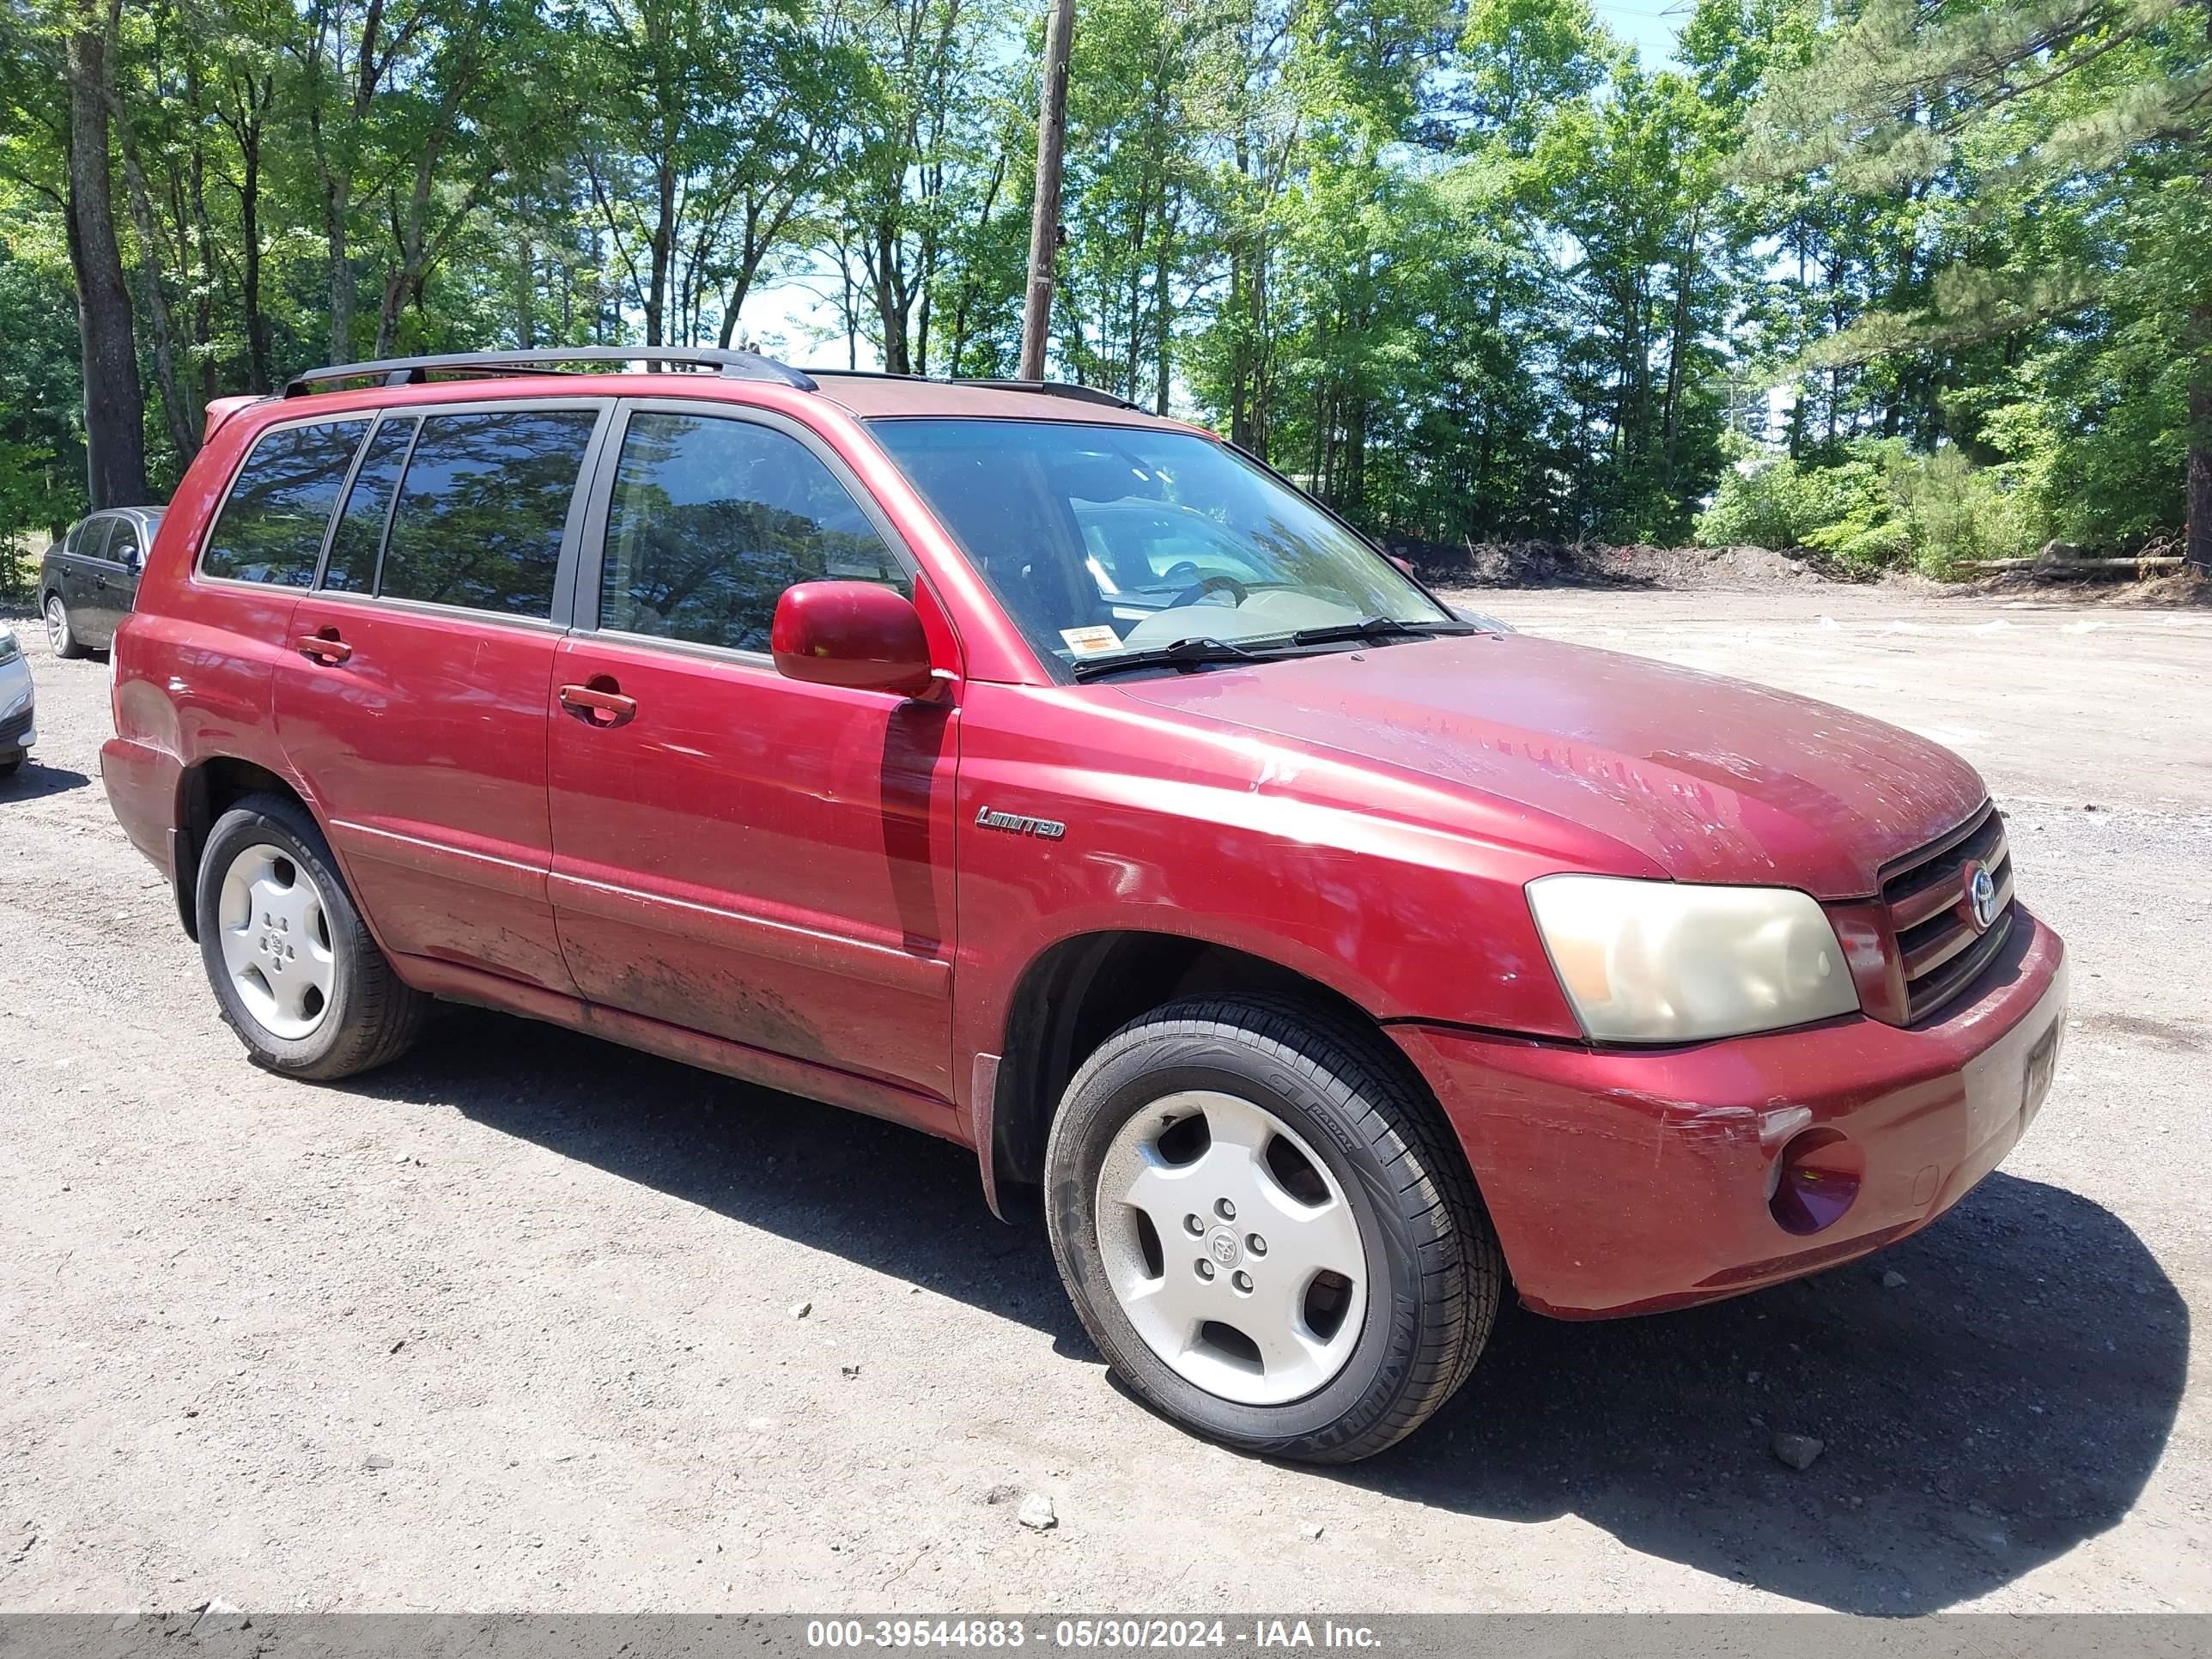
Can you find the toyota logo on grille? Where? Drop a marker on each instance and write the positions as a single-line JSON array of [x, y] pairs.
[[1978, 904]]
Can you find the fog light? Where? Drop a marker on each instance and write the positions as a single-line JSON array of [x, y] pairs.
[[1815, 1180]]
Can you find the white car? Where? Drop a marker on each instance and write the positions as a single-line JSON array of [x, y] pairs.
[[18, 704]]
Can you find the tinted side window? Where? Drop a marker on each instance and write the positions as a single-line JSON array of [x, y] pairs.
[[271, 528], [481, 508], [123, 546], [712, 520], [360, 535], [92, 543]]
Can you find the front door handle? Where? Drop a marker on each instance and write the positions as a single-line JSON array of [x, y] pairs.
[[325, 648], [599, 703]]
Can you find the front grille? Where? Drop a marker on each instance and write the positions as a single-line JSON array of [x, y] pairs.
[[14, 725], [1936, 943]]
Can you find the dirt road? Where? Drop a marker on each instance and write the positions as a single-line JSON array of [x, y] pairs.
[[509, 1325]]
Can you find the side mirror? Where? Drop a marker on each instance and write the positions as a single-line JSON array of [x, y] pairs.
[[857, 635]]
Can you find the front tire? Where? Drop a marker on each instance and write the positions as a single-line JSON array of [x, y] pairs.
[[1267, 1229], [295, 973], [59, 634]]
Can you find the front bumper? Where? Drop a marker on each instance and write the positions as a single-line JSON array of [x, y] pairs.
[[19, 711], [1632, 1181]]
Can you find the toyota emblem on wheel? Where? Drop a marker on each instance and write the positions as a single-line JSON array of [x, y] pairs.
[[1981, 896]]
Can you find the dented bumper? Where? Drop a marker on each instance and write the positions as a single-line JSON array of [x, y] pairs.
[[1628, 1181]]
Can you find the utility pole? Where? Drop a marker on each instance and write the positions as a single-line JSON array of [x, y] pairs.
[[1044, 221]]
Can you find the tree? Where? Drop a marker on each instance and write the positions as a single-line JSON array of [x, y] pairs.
[[71, 46], [2085, 113]]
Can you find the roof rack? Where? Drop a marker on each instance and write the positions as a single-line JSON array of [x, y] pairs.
[[415, 371], [1088, 394], [737, 365]]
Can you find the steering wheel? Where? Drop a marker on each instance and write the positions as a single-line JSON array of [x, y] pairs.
[[1215, 583]]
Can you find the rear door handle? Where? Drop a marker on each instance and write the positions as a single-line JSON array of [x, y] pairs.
[[326, 647], [599, 703]]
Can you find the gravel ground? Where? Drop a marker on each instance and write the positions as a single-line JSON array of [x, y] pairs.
[[509, 1325]]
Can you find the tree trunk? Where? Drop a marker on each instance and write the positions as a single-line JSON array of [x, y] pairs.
[[1163, 327], [2196, 541], [336, 200], [526, 291], [246, 130], [1678, 355], [889, 281], [114, 401], [664, 238], [183, 421]]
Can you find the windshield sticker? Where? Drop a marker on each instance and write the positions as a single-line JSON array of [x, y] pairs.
[[1090, 641]]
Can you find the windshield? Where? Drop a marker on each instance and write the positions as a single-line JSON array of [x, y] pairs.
[[1105, 542]]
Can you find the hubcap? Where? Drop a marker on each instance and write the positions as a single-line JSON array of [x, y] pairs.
[[277, 942], [1232, 1248], [57, 623]]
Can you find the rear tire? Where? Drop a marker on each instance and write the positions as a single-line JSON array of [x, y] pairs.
[[1310, 1274], [294, 970], [59, 634]]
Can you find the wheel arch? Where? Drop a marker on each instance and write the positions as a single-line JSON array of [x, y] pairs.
[[1080, 991], [205, 791]]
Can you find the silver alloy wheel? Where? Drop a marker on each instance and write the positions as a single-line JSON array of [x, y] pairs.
[[1232, 1248], [56, 624], [276, 942]]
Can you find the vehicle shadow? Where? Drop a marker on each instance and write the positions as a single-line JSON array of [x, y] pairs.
[[32, 782], [2005, 1402], [881, 1196]]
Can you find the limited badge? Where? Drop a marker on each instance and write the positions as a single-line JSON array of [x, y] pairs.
[[1090, 641]]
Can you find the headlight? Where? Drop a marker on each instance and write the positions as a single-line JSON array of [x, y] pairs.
[[9, 649], [1659, 962]]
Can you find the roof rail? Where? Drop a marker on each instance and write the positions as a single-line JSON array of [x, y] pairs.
[[415, 371], [1088, 394]]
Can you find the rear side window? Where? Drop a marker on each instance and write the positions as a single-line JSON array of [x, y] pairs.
[[351, 568], [92, 542], [270, 529], [483, 507], [712, 520]]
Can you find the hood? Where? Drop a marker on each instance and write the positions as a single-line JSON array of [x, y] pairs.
[[1690, 775]]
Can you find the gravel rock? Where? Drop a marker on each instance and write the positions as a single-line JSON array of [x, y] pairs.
[[1798, 1450], [800, 1310], [1892, 1280], [1037, 1513]]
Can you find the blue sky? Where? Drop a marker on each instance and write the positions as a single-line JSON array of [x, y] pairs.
[[1650, 26]]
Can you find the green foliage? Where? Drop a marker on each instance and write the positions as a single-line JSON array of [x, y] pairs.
[[41, 446], [1875, 505], [1467, 267]]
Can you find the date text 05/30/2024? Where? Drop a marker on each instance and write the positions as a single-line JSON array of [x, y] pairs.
[[1111, 1635]]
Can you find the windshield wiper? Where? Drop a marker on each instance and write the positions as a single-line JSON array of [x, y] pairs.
[[1182, 653], [1377, 627]]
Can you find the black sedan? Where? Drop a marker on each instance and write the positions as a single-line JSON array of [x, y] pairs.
[[89, 578]]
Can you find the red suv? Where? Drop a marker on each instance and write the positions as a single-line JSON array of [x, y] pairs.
[[1003, 760]]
